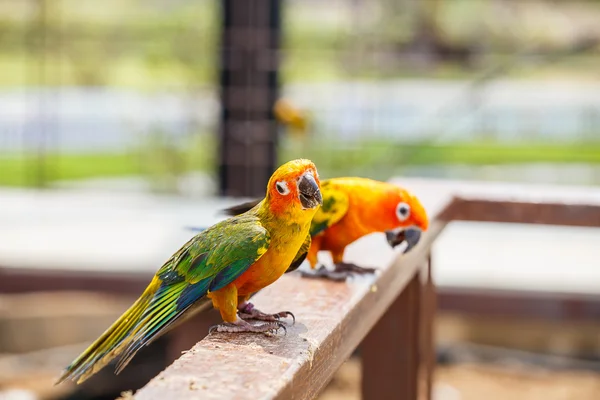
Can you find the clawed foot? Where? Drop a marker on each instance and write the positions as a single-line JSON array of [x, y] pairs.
[[340, 273], [247, 311], [268, 328], [351, 267]]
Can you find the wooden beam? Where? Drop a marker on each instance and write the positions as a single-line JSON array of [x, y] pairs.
[[428, 347], [390, 352]]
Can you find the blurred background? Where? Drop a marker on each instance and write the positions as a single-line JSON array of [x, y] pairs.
[[123, 122]]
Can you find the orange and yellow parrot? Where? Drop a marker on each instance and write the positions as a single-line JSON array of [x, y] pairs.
[[291, 116], [353, 208], [224, 264]]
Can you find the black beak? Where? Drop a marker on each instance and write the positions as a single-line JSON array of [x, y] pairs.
[[309, 192], [411, 236]]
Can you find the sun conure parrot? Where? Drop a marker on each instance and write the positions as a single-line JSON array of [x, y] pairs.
[[353, 208], [291, 116], [225, 264]]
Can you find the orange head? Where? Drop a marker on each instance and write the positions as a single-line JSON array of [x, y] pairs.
[[406, 218], [407, 210], [294, 189]]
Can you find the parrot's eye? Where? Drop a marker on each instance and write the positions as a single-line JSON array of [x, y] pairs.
[[282, 187], [402, 211]]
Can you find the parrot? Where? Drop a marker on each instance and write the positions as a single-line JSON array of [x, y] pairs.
[[352, 208], [224, 265], [291, 116]]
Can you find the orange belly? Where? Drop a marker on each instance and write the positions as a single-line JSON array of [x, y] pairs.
[[262, 273], [341, 235]]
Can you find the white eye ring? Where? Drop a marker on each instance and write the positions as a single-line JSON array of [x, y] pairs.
[[402, 211], [282, 188]]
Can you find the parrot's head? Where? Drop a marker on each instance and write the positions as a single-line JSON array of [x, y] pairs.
[[406, 217], [294, 188]]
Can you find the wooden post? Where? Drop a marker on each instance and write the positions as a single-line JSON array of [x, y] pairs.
[[249, 89], [428, 348], [390, 352]]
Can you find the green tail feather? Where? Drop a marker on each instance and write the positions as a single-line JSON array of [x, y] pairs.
[[111, 343], [160, 308]]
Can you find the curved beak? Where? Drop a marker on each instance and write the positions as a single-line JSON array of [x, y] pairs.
[[309, 192], [410, 235]]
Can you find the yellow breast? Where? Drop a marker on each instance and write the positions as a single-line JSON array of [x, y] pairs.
[[273, 264]]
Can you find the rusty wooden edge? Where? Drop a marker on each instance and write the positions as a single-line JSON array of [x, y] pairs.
[[546, 213], [23, 280], [494, 303]]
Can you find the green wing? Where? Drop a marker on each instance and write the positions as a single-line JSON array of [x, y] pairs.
[[335, 206], [209, 261]]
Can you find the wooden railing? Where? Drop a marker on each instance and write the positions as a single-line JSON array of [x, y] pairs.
[[389, 315]]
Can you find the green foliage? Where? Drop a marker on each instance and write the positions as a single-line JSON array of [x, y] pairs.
[[380, 159], [154, 159], [150, 44], [162, 163]]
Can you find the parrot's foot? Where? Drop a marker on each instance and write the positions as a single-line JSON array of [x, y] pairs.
[[239, 326], [340, 273], [247, 311], [350, 267]]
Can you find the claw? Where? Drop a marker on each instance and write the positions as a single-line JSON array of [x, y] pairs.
[[282, 326], [288, 314]]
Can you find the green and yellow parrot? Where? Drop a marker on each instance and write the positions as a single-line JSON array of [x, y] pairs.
[[224, 264]]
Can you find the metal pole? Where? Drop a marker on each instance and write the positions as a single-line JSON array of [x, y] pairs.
[[249, 88]]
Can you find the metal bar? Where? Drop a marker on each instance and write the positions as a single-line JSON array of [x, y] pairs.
[[249, 87], [390, 352]]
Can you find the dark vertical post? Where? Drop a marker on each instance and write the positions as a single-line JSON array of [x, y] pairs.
[[249, 88], [390, 352], [429, 305]]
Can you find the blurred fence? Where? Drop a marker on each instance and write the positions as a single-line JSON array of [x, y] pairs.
[[380, 80]]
